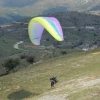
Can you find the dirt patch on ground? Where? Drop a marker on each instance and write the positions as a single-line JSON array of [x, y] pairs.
[[96, 53]]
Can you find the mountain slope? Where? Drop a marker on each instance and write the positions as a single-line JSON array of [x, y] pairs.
[[80, 31], [37, 7]]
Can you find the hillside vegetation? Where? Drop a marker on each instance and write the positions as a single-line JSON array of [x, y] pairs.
[[78, 75]]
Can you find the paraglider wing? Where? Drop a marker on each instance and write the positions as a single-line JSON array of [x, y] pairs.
[[37, 25]]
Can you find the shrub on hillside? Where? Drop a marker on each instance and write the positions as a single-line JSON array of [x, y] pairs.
[[30, 59], [23, 56], [63, 52], [11, 63]]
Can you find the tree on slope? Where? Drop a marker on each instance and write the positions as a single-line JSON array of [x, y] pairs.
[[10, 64]]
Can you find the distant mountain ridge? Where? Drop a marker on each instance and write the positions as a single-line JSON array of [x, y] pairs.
[[27, 8]]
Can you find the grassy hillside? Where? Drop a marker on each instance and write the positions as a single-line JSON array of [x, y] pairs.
[[78, 75]]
